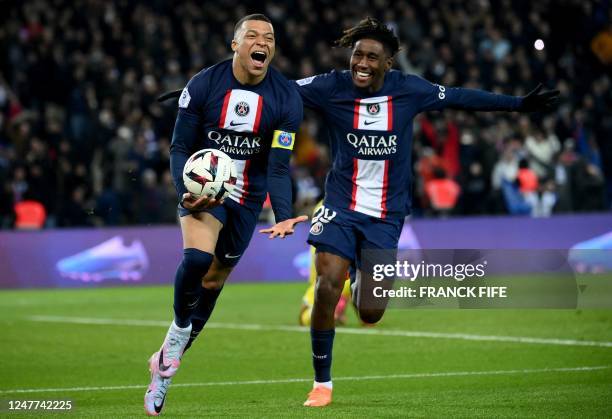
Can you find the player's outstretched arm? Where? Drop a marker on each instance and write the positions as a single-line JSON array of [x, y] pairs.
[[539, 101], [284, 228], [436, 97]]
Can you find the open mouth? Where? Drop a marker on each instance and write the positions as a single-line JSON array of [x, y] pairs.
[[361, 76], [259, 58]]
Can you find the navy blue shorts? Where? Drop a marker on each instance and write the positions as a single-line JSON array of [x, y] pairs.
[[239, 223], [346, 233]]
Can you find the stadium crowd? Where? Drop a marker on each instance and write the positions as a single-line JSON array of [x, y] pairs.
[[82, 137]]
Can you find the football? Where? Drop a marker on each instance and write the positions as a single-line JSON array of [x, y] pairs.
[[211, 173]]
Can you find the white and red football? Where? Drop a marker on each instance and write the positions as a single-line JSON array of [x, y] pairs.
[[210, 172]]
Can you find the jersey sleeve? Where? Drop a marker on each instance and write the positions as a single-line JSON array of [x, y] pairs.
[[186, 127], [283, 140], [315, 90], [432, 96]]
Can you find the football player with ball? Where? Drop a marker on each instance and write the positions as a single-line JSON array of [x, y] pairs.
[[246, 112]]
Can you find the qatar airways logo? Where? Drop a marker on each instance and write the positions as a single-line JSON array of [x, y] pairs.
[[373, 145], [236, 144]]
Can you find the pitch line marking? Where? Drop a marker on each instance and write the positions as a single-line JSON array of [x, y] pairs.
[[308, 380], [342, 330]]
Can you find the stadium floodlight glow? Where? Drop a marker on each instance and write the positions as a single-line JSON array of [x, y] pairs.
[[538, 44]]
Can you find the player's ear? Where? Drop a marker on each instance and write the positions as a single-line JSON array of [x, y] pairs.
[[388, 63], [234, 45]]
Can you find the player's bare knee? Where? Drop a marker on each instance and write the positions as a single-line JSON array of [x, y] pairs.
[[213, 284], [216, 276], [331, 271], [328, 288], [371, 316]]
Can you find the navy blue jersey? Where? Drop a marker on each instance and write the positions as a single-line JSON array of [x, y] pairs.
[[254, 125], [371, 134]]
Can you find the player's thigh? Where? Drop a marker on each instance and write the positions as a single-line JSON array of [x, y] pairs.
[[377, 246], [332, 231], [378, 240], [236, 234], [200, 231]]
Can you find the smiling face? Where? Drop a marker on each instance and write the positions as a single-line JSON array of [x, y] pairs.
[[253, 47], [369, 63]]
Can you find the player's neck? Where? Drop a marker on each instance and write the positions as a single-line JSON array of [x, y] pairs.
[[244, 77], [373, 88]]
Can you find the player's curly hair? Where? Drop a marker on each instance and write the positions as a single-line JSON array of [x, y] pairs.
[[369, 28]]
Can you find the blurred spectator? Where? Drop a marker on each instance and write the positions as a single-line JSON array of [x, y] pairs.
[[108, 204], [79, 127], [474, 190], [526, 178], [149, 199], [542, 152], [74, 212], [587, 187], [29, 215], [7, 213], [442, 192]]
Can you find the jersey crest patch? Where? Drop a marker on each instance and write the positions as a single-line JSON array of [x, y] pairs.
[[373, 114], [241, 111], [283, 139]]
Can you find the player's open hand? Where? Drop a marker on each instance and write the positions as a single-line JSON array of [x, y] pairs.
[[193, 203], [284, 228], [538, 101]]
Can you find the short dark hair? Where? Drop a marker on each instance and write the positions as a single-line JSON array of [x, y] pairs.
[[372, 29], [254, 16]]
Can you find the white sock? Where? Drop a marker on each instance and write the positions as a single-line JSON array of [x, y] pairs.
[[180, 329], [327, 384]]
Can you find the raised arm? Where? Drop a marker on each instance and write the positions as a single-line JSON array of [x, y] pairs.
[[435, 97]]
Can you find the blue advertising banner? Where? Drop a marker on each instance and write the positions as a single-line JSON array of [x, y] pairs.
[[149, 255]]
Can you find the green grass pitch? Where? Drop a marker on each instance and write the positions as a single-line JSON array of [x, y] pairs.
[[254, 362]]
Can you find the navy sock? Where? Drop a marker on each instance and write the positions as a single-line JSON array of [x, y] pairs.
[[188, 282], [208, 298], [322, 344]]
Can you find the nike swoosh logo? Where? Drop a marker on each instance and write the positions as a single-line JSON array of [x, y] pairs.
[[227, 255], [159, 408], [162, 366], [369, 122], [235, 124]]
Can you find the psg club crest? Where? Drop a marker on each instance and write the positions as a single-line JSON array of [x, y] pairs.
[[241, 109], [373, 108], [284, 139], [317, 228]]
